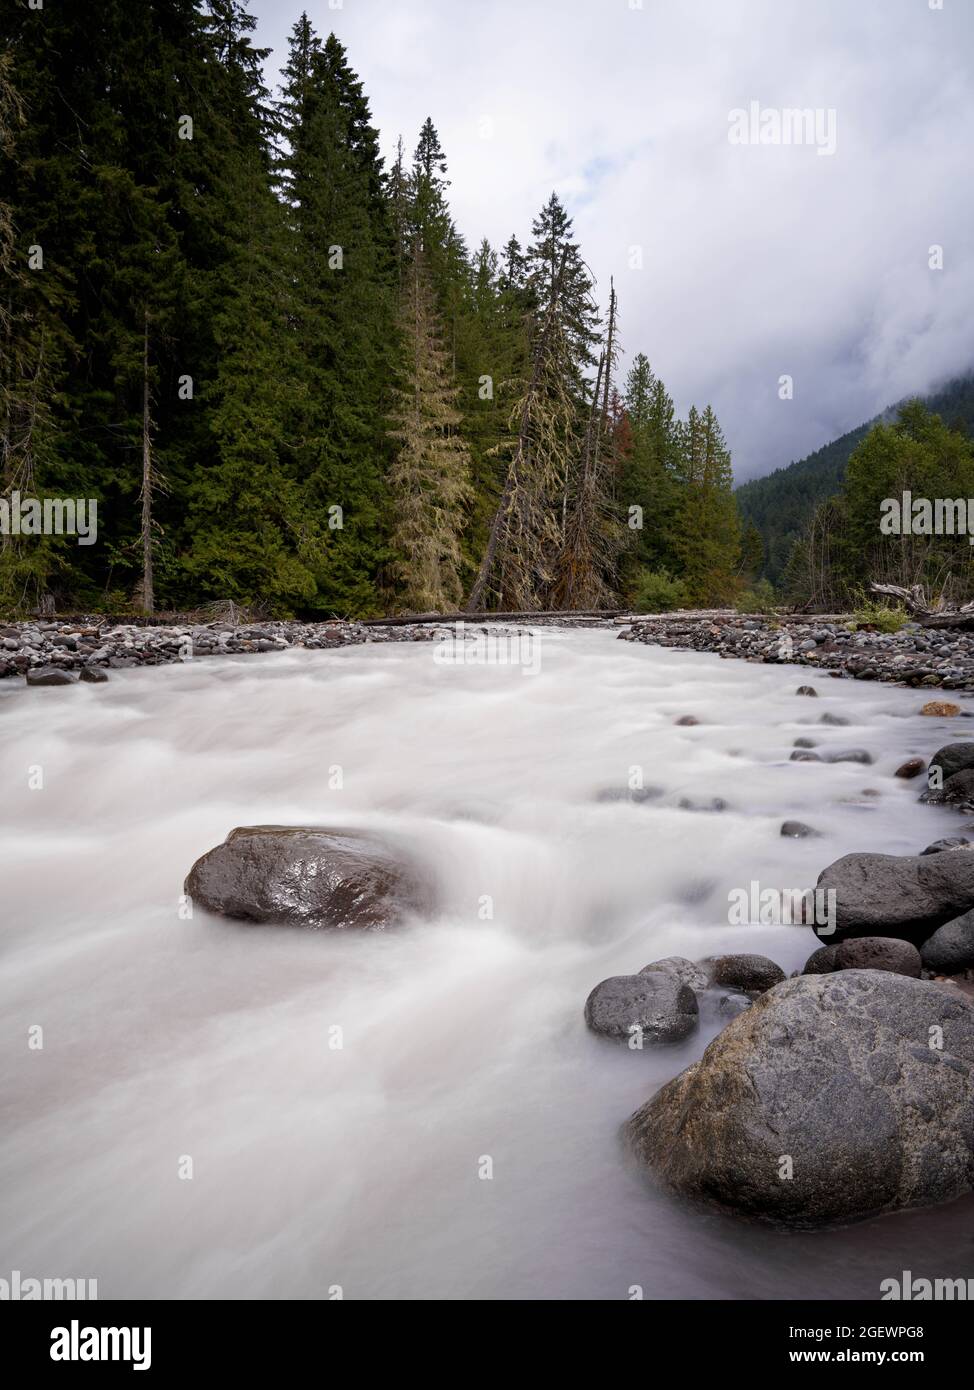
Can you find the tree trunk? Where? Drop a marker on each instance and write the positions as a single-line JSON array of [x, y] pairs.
[[148, 585]]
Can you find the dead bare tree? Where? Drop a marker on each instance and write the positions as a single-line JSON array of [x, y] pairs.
[[517, 515]]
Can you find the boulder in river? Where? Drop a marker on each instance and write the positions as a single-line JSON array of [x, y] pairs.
[[307, 876], [827, 1102], [951, 947], [806, 689], [654, 1007], [953, 757], [940, 709], [878, 953], [957, 790], [942, 846], [686, 971], [850, 755], [820, 962], [911, 768], [750, 973], [907, 896], [94, 674], [797, 830], [48, 675]]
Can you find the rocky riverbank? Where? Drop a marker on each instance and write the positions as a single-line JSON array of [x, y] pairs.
[[59, 652], [913, 656], [846, 1091]]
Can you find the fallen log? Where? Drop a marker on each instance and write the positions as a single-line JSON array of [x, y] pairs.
[[927, 614]]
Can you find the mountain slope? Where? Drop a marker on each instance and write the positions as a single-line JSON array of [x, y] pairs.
[[781, 504]]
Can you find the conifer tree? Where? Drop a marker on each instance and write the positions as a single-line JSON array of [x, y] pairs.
[[430, 477]]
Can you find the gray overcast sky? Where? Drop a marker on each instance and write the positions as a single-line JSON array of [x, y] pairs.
[[758, 260]]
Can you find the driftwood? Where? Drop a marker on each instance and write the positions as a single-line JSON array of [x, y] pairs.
[[409, 619], [927, 614]]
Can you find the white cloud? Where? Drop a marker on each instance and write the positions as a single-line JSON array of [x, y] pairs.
[[758, 260]]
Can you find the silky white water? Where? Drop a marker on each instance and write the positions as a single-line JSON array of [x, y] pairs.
[[462, 1142]]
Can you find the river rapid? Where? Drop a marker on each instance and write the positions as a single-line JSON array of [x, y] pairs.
[[462, 1141]]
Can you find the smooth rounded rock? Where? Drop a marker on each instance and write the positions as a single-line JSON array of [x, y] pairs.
[[951, 947], [307, 876], [49, 675], [751, 973], [686, 971], [878, 953], [835, 1071], [907, 896], [655, 1007]]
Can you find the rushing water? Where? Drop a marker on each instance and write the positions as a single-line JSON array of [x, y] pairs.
[[463, 1038]]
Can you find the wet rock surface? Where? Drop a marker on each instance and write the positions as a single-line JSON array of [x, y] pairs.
[[653, 1007], [834, 1075], [906, 896], [307, 877]]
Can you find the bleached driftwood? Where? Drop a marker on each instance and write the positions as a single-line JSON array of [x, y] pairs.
[[927, 614]]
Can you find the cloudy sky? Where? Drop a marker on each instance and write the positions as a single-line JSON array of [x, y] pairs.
[[758, 260]]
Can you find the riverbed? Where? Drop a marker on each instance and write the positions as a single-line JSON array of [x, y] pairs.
[[419, 1113]]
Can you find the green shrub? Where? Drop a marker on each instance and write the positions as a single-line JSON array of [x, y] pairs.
[[657, 592], [760, 599], [879, 616]]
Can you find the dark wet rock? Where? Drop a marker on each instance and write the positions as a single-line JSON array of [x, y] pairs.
[[820, 962], [307, 877], [953, 757], [94, 674], [951, 947], [49, 675], [940, 846], [803, 755], [804, 743], [751, 973], [907, 896], [850, 755], [878, 953], [686, 971], [911, 768], [838, 720], [687, 720], [957, 791], [807, 689], [823, 1104], [797, 830], [654, 1008]]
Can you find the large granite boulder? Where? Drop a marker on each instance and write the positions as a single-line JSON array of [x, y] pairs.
[[834, 1098], [896, 895], [307, 876]]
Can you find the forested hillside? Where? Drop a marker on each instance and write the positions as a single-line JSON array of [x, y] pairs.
[[282, 372], [782, 505]]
